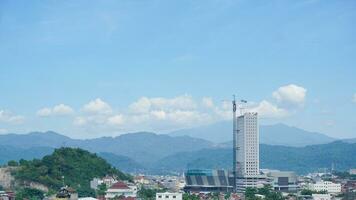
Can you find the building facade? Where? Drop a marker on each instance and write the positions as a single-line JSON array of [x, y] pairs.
[[330, 187], [246, 151], [284, 181], [208, 181], [321, 196]]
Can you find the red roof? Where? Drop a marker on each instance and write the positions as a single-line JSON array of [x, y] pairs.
[[119, 185]]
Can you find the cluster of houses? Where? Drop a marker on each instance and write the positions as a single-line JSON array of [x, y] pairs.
[[115, 188]]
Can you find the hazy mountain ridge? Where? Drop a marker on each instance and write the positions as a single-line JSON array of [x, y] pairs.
[[143, 146], [15, 153], [145, 151], [277, 134], [299, 159]]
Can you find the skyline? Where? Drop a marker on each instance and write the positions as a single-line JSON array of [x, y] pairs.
[[98, 69]]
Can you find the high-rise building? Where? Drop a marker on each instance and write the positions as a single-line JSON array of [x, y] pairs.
[[246, 150], [247, 145]]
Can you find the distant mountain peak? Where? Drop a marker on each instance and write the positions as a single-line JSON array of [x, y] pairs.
[[275, 134]]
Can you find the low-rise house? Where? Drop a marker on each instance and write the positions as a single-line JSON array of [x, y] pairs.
[[107, 180], [121, 189], [67, 193]]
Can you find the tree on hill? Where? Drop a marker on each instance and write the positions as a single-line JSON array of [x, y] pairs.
[[12, 163], [72, 166], [29, 193]]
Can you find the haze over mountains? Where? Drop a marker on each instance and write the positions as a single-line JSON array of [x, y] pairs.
[[175, 152], [278, 134]]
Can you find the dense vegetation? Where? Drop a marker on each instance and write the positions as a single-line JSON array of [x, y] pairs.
[[29, 193], [72, 166], [266, 191], [148, 194], [345, 175]]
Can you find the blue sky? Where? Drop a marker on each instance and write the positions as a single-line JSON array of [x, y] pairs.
[[94, 68]]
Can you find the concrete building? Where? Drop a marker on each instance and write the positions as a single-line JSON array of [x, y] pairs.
[[246, 164], [169, 196], [330, 187], [284, 181]]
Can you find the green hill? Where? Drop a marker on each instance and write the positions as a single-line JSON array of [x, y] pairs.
[[76, 165]]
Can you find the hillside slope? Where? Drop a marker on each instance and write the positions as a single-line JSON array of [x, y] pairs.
[[77, 166]]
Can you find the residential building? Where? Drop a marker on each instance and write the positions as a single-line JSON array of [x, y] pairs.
[[66, 193], [352, 171], [330, 187], [121, 189], [107, 180], [169, 196]]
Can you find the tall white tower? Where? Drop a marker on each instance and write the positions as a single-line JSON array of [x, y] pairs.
[[246, 151], [248, 142]]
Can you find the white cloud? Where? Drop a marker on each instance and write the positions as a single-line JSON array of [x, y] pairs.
[[290, 95], [166, 114], [9, 117], [208, 102], [2, 131], [266, 109], [354, 98], [44, 112], [62, 109], [159, 114], [145, 105], [80, 121], [58, 110], [116, 120], [97, 106]]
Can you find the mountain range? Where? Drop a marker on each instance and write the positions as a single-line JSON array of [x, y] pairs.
[[299, 159], [142, 146], [277, 134], [174, 152]]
